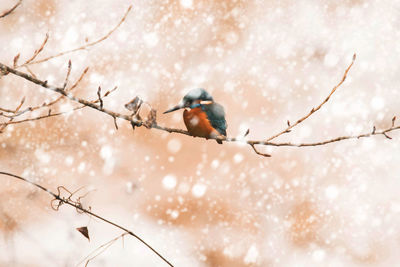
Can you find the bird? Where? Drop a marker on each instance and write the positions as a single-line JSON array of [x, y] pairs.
[[202, 116]]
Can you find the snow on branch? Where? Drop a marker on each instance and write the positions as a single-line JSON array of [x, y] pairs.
[[150, 122]]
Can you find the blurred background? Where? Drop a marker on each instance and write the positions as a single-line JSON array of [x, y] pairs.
[[199, 203]]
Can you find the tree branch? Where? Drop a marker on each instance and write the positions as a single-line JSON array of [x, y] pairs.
[[313, 110], [136, 121], [78, 206], [8, 12], [83, 47]]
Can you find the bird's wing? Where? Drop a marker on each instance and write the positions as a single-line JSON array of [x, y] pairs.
[[216, 115]]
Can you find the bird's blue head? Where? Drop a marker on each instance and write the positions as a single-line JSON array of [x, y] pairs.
[[193, 99]]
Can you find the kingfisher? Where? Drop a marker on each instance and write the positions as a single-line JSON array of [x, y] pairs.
[[202, 116]]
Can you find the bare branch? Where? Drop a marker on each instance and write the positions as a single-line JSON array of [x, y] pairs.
[[325, 142], [100, 250], [77, 205], [313, 110], [110, 91], [37, 51], [150, 122], [99, 97], [8, 12], [85, 46], [68, 73], [258, 152], [246, 133], [48, 115], [115, 123], [16, 109], [79, 79], [66, 93], [30, 71], [17, 112], [3, 126]]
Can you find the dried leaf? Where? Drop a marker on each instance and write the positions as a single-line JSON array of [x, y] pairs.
[[247, 133], [84, 231], [393, 121], [288, 123], [151, 119], [137, 117], [134, 105]]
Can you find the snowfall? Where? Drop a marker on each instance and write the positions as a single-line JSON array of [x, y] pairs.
[[196, 202]]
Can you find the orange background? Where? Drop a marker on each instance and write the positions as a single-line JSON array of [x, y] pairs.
[[199, 203]]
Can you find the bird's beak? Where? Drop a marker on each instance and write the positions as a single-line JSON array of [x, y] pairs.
[[179, 106]]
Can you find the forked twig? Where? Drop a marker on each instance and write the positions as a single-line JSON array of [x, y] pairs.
[[3, 126], [85, 46], [36, 53], [313, 110]]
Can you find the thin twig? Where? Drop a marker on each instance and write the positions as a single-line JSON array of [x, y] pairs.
[[48, 115], [16, 109], [37, 51], [3, 126], [8, 12], [258, 152], [313, 110], [30, 71], [65, 93], [68, 73], [99, 97], [79, 79], [100, 250], [78, 206], [85, 46]]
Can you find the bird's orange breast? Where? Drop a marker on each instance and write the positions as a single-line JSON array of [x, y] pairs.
[[197, 123]]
